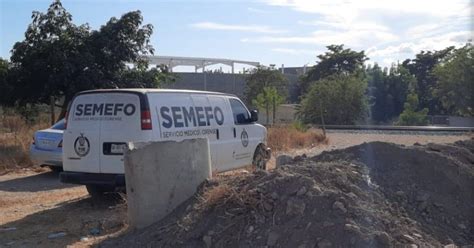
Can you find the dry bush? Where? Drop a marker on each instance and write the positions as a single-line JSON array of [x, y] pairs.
[[13, 123], [284, 138], [15, 139]]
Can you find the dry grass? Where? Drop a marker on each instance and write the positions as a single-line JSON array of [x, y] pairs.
[[285, 138], [214, 195], [15, 139]]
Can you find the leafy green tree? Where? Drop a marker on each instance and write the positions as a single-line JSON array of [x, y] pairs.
[[268, 101], [410, 115], [341, 98], [388, 91], [376, 92], [5, 87], [262, 77], [143, 77], [58, 58], [455, 84], [422, 68], [336, 60]]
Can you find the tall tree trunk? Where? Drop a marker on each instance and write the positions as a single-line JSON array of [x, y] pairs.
[[64, 106], [274, 109], [51, 104]]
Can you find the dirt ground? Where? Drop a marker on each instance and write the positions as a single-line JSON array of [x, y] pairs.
[[340, 140], [35, 207], [36, 210], [372, 195]]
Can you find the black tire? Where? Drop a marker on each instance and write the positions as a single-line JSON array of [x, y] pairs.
[[56, 169], [259, 161], [97, 190]]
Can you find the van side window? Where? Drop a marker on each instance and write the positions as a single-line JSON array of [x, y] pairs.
[[241, 114]]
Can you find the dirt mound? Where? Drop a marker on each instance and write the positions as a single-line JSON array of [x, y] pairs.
[[375, 194]]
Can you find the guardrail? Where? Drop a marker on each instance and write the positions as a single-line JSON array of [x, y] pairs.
[[400, 128]]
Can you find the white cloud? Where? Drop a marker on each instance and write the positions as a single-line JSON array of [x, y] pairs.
[[406, 50], [328, 37], [351, 8], [389, 30], [363, 25], [243, 28], [296, 51], [421, 30], [257, 10]]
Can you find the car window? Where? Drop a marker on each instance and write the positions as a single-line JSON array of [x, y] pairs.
[[59, 125], [241, 114]]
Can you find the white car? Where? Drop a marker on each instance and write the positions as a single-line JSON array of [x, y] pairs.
[[47, 147], [101, 122]]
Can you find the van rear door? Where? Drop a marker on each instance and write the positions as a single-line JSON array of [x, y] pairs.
[[120, 123], [81, 141]]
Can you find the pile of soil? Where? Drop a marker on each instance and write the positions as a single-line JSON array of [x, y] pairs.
[[374, 194]]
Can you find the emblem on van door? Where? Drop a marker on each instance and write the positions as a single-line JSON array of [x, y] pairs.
[[81, 146], [245, 138]]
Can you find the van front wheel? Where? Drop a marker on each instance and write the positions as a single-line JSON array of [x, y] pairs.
[[97, 190], [260, 158]]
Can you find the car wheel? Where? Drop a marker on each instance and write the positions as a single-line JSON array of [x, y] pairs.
[[97, 190], [56, 169], [259, 158]]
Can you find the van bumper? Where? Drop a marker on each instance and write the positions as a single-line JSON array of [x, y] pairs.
[[117, 180]]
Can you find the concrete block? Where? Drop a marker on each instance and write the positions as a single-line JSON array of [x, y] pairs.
[[162, 175]]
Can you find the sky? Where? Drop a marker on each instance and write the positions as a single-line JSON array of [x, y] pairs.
[[289, 32]]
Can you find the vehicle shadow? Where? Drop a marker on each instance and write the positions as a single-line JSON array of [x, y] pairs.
[[34, 183], [85, 218]]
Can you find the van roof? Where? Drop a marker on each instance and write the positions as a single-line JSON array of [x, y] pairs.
[[151, 90]]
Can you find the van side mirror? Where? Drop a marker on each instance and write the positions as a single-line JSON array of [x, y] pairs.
[[254, 115]]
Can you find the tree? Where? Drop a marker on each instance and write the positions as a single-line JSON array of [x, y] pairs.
[[422, 68], [58, 58], [455, 82], [341, 98], [336, 60], [269, 100], [410, 116], [262, 77], [5, 87], [388, 91], [143, 77]]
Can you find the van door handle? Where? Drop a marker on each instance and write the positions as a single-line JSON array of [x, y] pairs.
[[235, 134]]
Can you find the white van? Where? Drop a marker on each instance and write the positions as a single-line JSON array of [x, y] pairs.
[[100, 122]]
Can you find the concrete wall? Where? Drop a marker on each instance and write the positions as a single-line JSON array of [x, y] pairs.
[[162, 175], [455, 121], [285, 113], [226, 82]]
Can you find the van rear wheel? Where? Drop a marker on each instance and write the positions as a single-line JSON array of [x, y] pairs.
[[259, 158], [56, 169], [97, 190]]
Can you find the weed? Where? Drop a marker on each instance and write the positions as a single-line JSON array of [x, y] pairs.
[[16, 136], [284, 138]]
